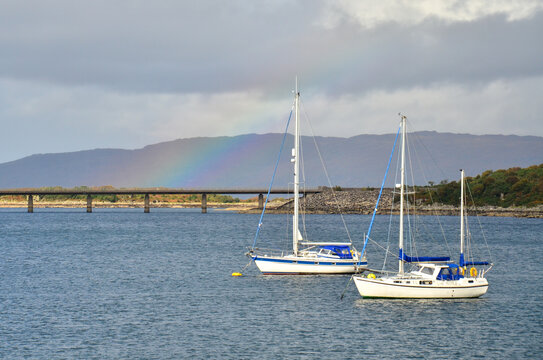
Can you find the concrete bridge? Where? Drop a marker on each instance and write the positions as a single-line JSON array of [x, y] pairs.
[[146, 192]]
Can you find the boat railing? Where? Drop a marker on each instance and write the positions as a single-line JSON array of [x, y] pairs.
[[267, 252], [376, 271], [483, 273]]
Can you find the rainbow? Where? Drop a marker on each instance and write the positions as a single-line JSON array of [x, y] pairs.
[[210, 160], [201, 164]]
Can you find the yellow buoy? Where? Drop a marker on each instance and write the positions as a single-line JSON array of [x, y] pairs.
[[371, 276], [236, 274]]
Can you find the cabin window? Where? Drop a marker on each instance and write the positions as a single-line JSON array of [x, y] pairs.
[[427, 271], [329, 252], [397, 282]]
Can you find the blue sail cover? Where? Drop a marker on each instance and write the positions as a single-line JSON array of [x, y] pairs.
[[403, 256], [471, 263], [467, 263]]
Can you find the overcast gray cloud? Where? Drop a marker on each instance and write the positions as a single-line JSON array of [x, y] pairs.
[[77, 75]]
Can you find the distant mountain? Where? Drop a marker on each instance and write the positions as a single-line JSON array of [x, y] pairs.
[[248, 161]]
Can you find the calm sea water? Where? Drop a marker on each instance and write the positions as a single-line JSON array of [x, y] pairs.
[[124, 284]]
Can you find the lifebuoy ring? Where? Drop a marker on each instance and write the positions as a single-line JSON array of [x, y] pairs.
[[473, 272], [462, 271], [371, 276]]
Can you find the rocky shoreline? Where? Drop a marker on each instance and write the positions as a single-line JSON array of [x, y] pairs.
[[362, 201]]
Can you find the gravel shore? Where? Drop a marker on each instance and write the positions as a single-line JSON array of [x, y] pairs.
[[362, 201]]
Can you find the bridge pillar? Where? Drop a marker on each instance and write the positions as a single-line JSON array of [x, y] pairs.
[[260, 201], [30, 204], [146, 204], [89, 203], [204, 203]]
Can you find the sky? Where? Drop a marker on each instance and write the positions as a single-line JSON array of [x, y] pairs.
[[78, 75]]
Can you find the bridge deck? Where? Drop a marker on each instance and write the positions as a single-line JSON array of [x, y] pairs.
[[150, 191]]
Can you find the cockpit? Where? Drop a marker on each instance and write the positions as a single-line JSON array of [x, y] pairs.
[[335, 252], [452, 272]]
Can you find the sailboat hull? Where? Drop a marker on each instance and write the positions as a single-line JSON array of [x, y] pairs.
[[291, 265], [420, 288]]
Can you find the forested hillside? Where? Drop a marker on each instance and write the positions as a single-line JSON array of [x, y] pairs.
[[512, 187]]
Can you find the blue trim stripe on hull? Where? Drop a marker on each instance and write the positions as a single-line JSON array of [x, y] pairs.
[[305, 262], [304, 273]]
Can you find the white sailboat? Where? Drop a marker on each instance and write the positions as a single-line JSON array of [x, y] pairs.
[[306, 257], [433, 277]]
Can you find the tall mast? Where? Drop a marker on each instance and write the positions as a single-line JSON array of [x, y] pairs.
[[295, 154], [402, 185], [462, 217]]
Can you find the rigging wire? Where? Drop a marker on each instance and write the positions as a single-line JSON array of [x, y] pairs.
[[387, 251], [379, 197], [304, 229], [381, 246], [287, 241], [272, 179], [425, 178], [480, 225], [418, 221], [411, 227], [429, 153], [326, 173], [392, 209]]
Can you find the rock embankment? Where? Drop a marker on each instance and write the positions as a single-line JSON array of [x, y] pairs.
[[345, 201], [362, 201]]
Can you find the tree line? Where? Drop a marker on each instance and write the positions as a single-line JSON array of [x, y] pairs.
[[511, 187]]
